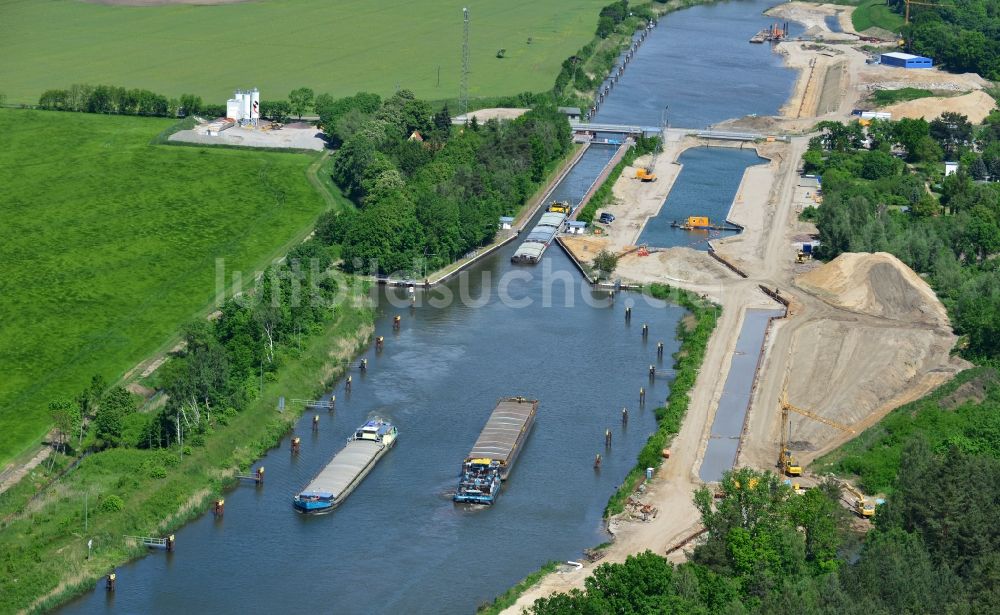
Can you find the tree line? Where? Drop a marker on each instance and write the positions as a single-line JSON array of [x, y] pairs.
[[962, 35], [428, 192], [884, 190], [933, 549], [223, 365], [117, 100]]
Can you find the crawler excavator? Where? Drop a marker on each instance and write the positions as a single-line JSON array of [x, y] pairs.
[[860, 504]]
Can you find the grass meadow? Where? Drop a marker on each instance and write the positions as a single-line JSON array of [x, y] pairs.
[[278, 45], [875, 13], [110, 244]]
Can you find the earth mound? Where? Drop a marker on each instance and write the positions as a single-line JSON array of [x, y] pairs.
[[876, 284]]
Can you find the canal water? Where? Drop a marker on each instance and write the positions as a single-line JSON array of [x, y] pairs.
[[399, 544], [699, 63], [720, 453], [582, 175], [706, 186]]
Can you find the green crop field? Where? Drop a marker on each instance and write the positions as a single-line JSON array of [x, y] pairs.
[[277, 45], [110, 244], [875, 13]]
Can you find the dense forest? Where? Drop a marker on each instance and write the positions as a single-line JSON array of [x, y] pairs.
[[428, 192], [934, 549], [963, 35]]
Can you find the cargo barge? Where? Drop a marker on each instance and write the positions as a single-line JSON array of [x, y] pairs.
[[531, 249], [348, 468], [492, 457]]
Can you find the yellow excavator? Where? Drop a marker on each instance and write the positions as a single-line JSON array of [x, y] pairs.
[[645, 174], [860, 504], [785, 460]]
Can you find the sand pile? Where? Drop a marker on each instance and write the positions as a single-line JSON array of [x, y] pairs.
[[876, 284], [976, 105]]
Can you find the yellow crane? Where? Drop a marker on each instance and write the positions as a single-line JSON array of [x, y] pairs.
[[785, 460]]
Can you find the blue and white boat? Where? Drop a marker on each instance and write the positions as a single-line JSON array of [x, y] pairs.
[[347, 468]]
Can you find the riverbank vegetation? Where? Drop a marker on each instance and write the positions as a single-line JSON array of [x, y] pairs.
[[429, 192], [509, 597], [694, 336], [767, 550], [111, 245], [147, 472]]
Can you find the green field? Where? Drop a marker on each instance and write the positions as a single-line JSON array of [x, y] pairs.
[[110, 244], [875, 13], [278, 45], [889, 97]]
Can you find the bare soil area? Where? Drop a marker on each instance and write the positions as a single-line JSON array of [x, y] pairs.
[[878, 285], [498, 113], [285, 138], [975, 105]]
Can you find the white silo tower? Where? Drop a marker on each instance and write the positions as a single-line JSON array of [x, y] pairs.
[[244, 107], [233, 107]]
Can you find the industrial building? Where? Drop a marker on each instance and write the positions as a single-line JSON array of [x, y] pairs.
[[244, 107], [905, 60]]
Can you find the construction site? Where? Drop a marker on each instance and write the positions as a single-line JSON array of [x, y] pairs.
[[851, 339]]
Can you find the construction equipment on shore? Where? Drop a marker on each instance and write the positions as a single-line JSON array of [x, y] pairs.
[[785, 460], [860, 504], [645, 174]]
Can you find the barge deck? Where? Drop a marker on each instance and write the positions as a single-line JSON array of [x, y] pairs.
[[492, 456], [348, 468]]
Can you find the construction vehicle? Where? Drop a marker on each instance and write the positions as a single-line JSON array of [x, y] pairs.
[[645, 174], [785, 460], [860, 504]]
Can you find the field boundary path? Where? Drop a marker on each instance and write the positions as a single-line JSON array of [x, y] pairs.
[[14, 473]]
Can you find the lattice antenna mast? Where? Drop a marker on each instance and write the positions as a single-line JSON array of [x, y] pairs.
[[463, 94]]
